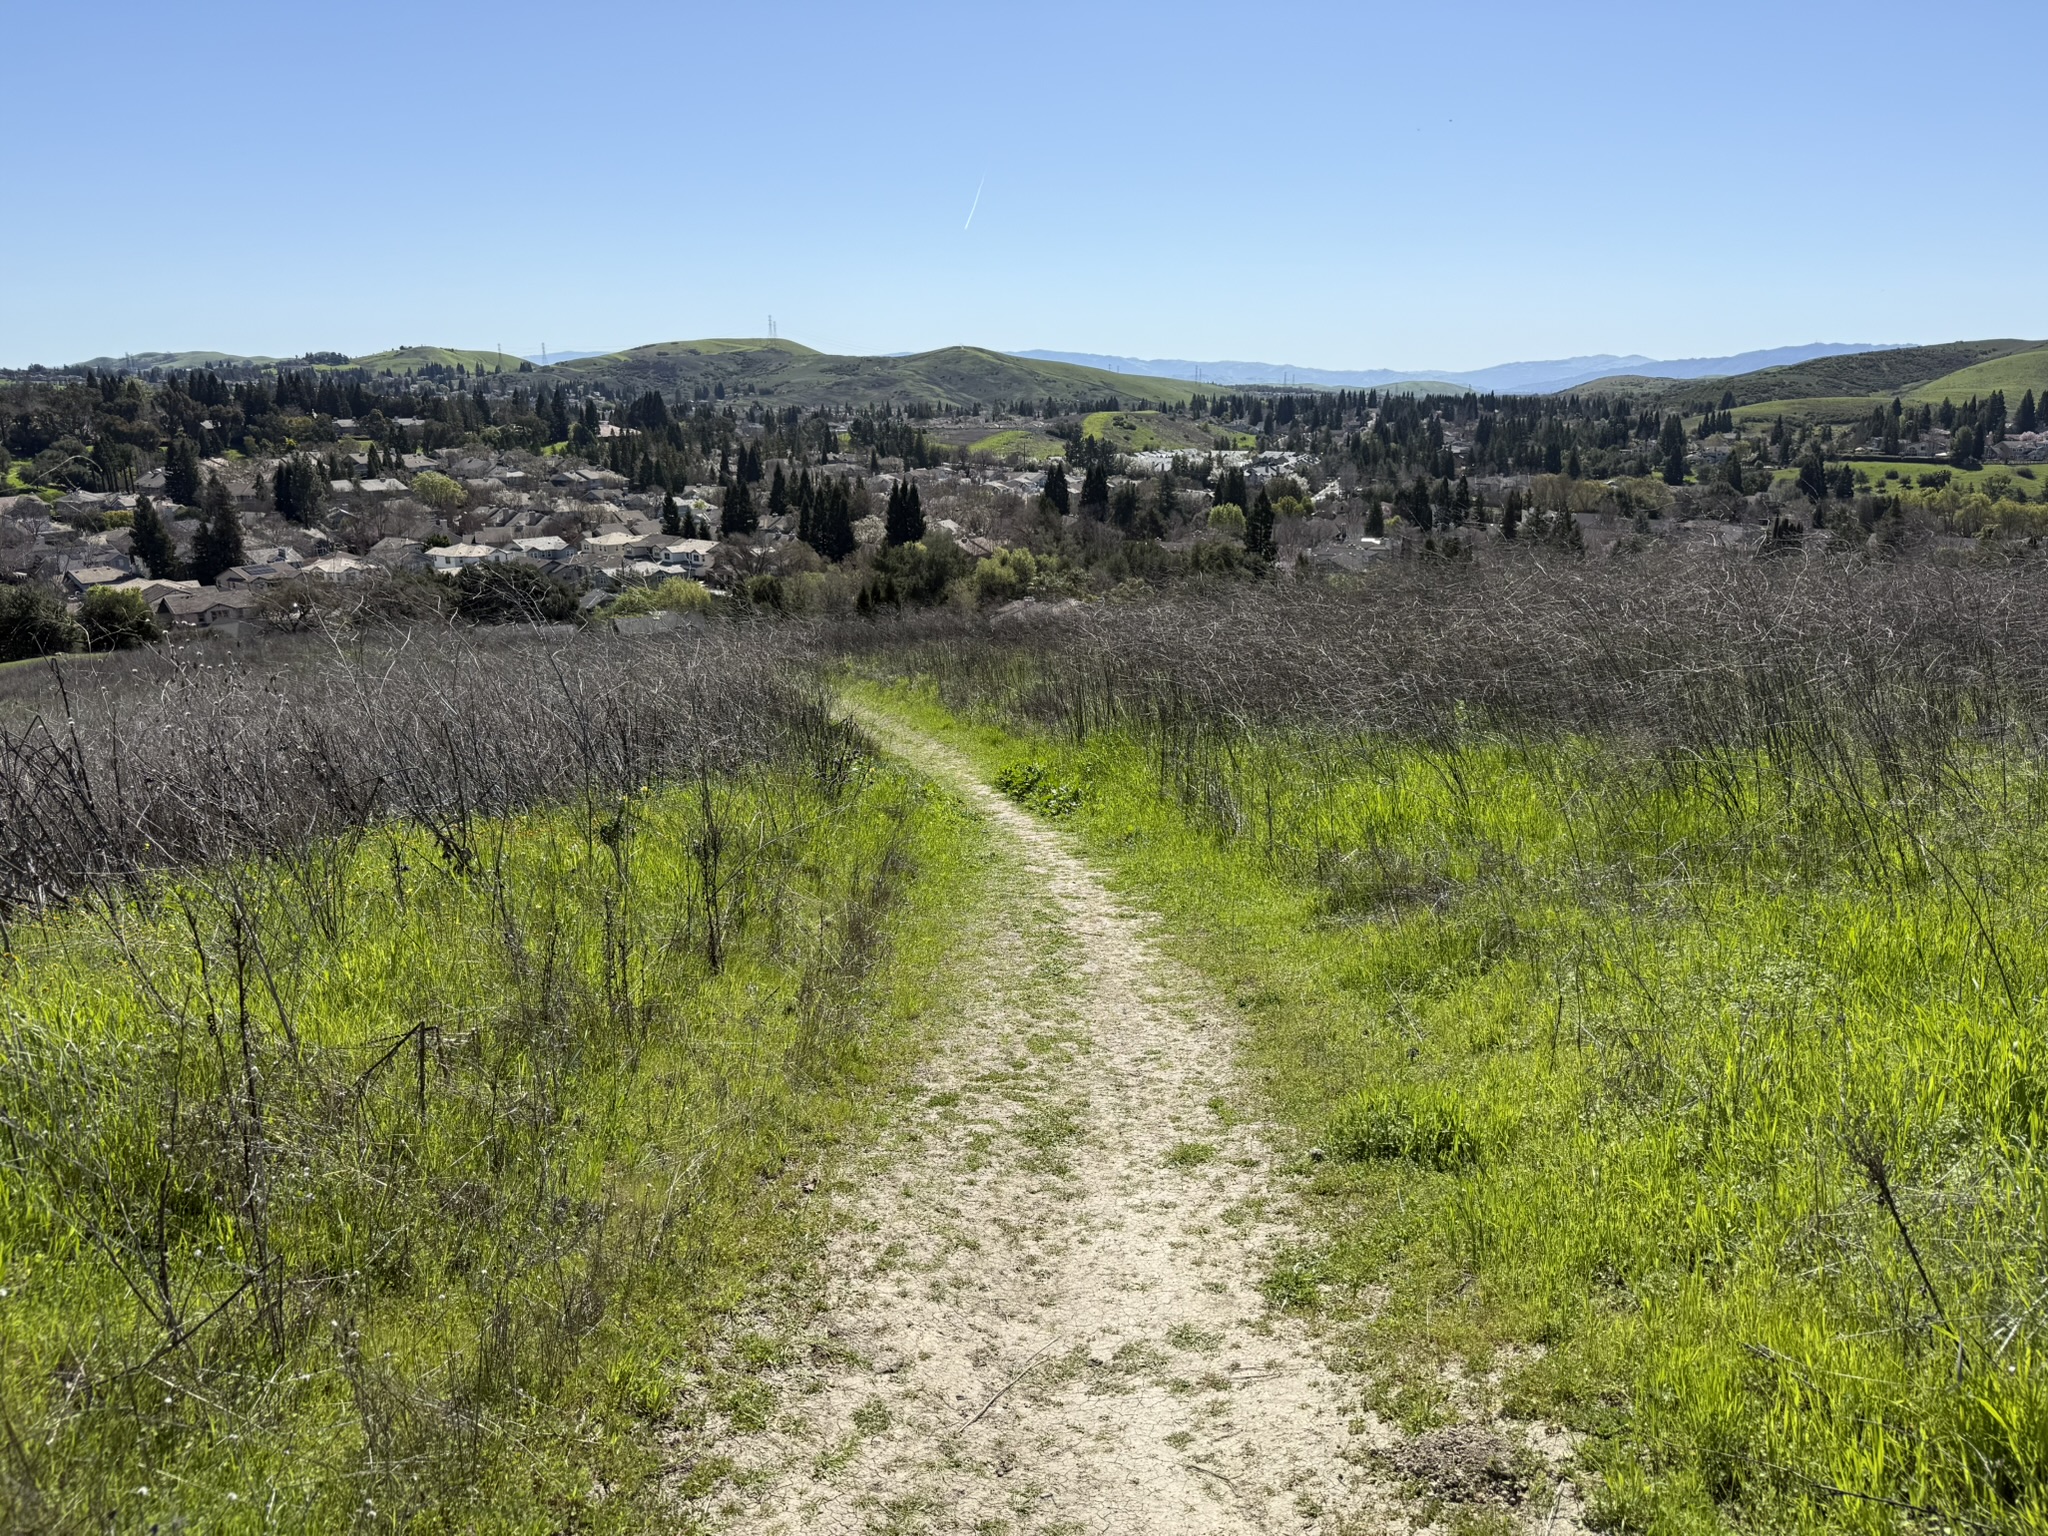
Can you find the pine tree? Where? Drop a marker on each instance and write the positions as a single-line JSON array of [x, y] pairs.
[[558, 417], [1376, 521], [1095, 490], [778, 494], [1258, 527], [181, 473], [150, 542], [738, 514], [218, 545], [904, 521], [835, 539], [2028, 418], [1167, 504], [1056, 483], [671, 520]]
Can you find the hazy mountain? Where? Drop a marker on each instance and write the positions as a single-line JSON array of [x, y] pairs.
[[1531, 378]]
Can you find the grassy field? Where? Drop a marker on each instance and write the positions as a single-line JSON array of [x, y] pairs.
[[1909, 472], [400, 1178], [1154, 431], [1019, 442], [409, 359], [1692, 1096], [2015, 374], [2014, 367]]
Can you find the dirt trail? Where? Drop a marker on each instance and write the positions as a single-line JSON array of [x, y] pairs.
[[1043, 1308]]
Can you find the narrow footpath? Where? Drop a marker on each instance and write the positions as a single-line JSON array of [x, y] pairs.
[[1044, 1306]]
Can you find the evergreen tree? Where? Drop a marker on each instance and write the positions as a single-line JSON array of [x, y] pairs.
[[904, 521], [1258, 527], [1671, 443], [150, 542], [1095, 490], [1813, 475], [834, 522], [181, 472], [671, 520], [1167, 504], [738, 513], [1733, 469], [217, 546], [2027, 418], [778, 494], [558, 417], [1376, 521], [1056, 479]]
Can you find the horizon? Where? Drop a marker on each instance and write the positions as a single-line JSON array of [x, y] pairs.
[[1242, 196]]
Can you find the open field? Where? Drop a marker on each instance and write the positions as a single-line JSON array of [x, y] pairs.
[[1019, 441], [407, 359], [1154, 432], [2015, 373], [396, 1176], [1672, 1047]]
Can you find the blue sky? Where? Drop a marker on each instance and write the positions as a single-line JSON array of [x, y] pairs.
[[1329, 185]]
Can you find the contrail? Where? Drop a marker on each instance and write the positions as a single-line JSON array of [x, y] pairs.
[[976, 203]]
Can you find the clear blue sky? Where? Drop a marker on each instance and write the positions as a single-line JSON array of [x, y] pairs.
[[1360, 185]]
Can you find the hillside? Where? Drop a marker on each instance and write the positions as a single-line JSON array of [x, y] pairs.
[[2015, 373], [413, 359], [797, 375], [142, 362]]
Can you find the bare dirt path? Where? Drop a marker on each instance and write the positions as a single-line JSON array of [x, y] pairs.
[[1043, 1309], [1043, 1306]]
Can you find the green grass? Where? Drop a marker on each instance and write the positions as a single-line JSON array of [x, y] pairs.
[[408, 359], [1154, 432], [1019, 442], [1910, 470], [446, 1175], [2015, 373], [1593, 1050]]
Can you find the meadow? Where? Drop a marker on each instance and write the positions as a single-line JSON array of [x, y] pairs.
[[408, 1059], [1650, 964]]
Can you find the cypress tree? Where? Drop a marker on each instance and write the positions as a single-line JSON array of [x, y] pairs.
[[150, 542], [1095, 490], [1258, 527], [904, 523], [835, 539], [737, 516], [1056, 482], [778, 494], [218, 544], [671, 520], [2028, 417], [181, 472]]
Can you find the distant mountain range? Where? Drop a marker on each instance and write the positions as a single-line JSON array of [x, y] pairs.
[[1536, 378]]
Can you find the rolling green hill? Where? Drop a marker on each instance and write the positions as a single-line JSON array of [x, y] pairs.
[[791, 374], [1154, 431], [2015, 373], [1843, 389], [412, 359], [139, 362]]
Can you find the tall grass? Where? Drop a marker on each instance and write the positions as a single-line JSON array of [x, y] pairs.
[[1656, 955], [399, 1059]]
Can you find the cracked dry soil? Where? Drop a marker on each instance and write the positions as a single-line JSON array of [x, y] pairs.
[[1042, 1305]]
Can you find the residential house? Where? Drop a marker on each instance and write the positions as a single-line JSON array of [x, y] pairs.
[[83, 579], [460, 557], [342, 568], [242, 577]]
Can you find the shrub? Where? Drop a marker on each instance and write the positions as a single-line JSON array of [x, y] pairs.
[[511, 594], [116, 620], [1227, 517], [33, 623], [438, 491], [1005, 575], [678, 594], [1028, 785]]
